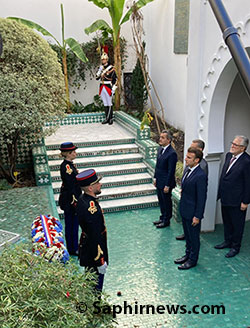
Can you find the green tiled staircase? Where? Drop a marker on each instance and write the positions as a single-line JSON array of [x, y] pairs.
[[122, 153], [126, 182]]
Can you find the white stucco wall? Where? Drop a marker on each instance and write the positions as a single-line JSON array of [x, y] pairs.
[[167, 70], [211, 73], [78, 14]]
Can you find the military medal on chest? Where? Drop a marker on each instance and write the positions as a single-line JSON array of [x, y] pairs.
[[92, 208], [68, 169]]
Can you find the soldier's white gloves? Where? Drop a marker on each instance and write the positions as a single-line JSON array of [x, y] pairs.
[[102, 269], [98, 74], [113, 89]]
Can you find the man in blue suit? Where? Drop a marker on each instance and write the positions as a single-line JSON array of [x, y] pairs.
[[192, 206], [165, 178], [234, 193], [199, 144]]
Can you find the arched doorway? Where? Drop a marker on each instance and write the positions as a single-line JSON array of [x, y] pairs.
[[229, 115]]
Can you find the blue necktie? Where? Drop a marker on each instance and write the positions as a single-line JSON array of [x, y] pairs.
[[186, 175]]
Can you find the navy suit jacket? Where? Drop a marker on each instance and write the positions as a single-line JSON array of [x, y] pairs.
[[234, 186], [194, 195], [165, 168]]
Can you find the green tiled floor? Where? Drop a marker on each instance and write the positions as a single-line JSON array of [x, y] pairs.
[[142, 268], [19, 207]]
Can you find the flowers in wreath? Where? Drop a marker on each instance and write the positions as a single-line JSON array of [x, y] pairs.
[[47, 239]]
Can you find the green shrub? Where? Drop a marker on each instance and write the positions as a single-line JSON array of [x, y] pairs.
[[96, 106], [138, 89], [37, 294], [32, 88], [4, 185]]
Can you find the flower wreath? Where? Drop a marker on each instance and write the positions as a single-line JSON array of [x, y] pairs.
[[47, 239]]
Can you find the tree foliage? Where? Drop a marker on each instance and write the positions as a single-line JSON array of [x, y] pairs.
[[116, 9], [36, 293], [138, 88], [32, 88]]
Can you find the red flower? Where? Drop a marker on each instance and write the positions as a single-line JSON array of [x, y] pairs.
[[67, 294]]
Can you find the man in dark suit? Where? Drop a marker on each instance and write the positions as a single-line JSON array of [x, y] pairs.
[[165, 178], [234, 193], [199, 144], [192, 205]]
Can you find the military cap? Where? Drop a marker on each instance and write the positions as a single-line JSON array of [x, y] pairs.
[[67, 146], [87, 178]]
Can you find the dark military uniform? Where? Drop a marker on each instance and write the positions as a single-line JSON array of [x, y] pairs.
[[70, 192], [93, 251]]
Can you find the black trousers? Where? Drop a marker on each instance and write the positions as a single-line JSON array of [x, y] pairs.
[[192, 234], [71, 229], [234, 223], [165, 202]]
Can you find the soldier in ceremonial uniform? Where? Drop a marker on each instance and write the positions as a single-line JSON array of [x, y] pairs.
[[93, 251], [69, 194], [106, 73]]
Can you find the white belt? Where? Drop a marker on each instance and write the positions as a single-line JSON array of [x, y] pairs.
[[106, 82]]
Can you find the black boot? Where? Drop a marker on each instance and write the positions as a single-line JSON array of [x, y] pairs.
[[106, 108], [110, 118]]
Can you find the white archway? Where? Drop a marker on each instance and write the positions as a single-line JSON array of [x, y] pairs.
[[218, 123]]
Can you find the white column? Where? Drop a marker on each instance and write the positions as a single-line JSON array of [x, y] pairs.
[[214, 161]]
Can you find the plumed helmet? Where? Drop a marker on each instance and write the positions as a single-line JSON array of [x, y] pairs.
[[104, 56]]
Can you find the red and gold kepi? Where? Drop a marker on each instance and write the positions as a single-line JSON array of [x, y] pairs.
[[88, 177], [67, 146]]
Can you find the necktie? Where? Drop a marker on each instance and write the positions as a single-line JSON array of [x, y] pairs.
[[231, 162], [162, 151], [186, 175]]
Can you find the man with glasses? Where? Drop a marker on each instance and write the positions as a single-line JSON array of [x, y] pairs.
[[234, 193]]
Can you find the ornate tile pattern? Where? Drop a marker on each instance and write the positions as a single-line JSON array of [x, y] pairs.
[[133, 125], [79, 119], [24, 147], [42, 174], [148, 148], [7, 237]]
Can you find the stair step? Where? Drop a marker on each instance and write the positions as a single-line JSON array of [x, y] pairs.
[[125, 204], [104, 160], [116, 181], [97, 151], [113, 170], [90, 135], [124, 192]]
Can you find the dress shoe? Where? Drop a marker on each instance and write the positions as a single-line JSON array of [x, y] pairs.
[[181, 260], [157, 222], [222, 245], [181, 237], [232, 252], [162, 225], [187, 265], [105, 121]]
